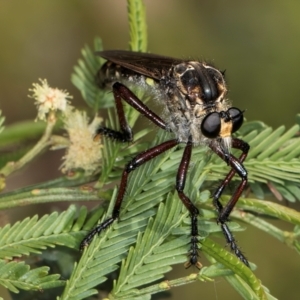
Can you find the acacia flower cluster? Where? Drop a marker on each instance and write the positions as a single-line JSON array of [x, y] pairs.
[[83, 151], [48, 99]]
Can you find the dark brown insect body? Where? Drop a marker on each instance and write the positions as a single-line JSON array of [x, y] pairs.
[[193, 95]]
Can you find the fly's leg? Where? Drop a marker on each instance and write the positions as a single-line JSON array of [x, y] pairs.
[[194, 212], [236, 165], [131, 166], [125, 134]]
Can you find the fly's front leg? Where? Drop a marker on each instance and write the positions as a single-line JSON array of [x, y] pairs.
[[125, 134], [131, 166], [224, 212], [236, 167]]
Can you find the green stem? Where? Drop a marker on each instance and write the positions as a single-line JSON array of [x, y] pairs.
[[49, 195], [43, 143], [168, 284]]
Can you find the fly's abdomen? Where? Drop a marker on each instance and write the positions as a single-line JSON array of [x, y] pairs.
[[111, 72]]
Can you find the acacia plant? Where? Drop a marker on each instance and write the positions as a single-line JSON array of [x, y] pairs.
[[153, 230]]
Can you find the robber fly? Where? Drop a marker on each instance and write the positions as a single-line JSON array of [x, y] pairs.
[[196, 110]]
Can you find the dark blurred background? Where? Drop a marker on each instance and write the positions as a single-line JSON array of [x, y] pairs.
[[257, 43]]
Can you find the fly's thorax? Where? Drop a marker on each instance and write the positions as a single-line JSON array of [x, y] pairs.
[[200, 83]]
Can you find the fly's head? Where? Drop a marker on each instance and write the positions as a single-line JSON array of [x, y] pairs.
[[204, 89], [221, 125]]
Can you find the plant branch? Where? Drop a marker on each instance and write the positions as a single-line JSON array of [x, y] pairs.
[[43, 143]]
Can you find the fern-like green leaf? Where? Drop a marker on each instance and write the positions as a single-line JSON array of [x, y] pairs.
[[148, 261], [83, 78], [243, 289], [290, 238], [240, 285], [17, 275], [32, 235], [137, 25], [234, 264]]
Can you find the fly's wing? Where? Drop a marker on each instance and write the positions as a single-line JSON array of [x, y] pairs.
[[150, 65]]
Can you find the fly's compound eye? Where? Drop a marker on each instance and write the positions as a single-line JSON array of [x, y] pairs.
[[236, 117], [211, 125]]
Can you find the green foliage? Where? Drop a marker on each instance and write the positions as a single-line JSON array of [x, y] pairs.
[[32, 236], [17, 275], [138, 26], [84, 77]]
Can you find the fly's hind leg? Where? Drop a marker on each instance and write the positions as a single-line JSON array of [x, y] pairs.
[[131, 166], [125, 133]]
